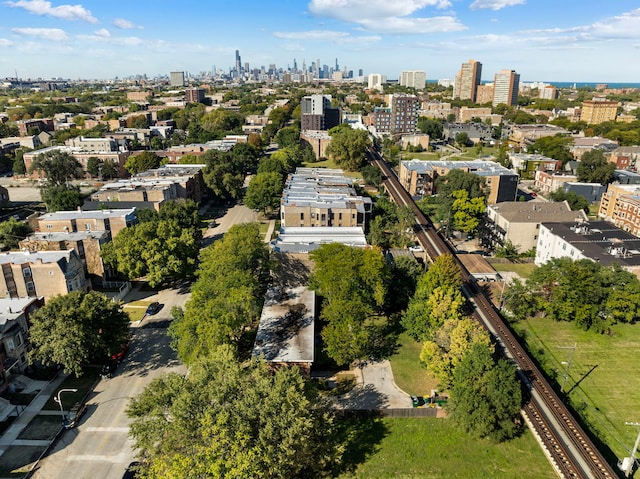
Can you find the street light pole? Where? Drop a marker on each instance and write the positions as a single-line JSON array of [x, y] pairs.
[[59, 401], [567, 364]]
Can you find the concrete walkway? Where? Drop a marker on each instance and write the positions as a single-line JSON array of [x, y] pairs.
[[269, 233], [375, 389], [10, 436]]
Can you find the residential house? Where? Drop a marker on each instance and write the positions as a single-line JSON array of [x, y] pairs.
[[41, 273], [14, 334], [519, 222]]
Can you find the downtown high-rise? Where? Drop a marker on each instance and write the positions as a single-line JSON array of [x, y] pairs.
[[467, 80]]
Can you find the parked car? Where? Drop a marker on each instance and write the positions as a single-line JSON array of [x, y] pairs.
[[109, 368], [416, 248], [153, 308], [75, 413], [119, 356], [132, 471]]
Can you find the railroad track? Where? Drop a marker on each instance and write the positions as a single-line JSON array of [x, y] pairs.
[[568, 447]]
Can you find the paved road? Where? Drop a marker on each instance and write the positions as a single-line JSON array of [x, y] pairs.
[[100, 448], [237, 214]]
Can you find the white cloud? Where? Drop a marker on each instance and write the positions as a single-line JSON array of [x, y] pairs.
[[54, 34], [66, 12], [5, 43], [495, 4], [103, 32], [386, 16], [125, 24]]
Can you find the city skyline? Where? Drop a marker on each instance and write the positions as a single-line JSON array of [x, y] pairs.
[[570, 41]]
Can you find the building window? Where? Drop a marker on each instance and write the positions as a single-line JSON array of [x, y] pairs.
[[301, 216], [10, 345], [30, 287], [87, 226], [26, 272], [49, 227]]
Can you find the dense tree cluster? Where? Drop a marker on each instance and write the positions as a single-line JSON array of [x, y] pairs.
[[595, 168], [227, 297], [593, 296], [12, 231], [348, 147], [574, 200], [392, 226], [163, 246], [353, 283], [226, 170], [485, 394], [58, 168], [76, 329], [144, 161], [556, 147], [228, 419]]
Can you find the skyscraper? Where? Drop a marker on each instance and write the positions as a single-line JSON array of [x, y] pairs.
[[467, 81], [176, 78], [505, 87], [413, 79], [238, 68]]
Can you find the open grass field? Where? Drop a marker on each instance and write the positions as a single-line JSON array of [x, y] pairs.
[[523, 270], [426, 448], [408, 373], [603, 381]]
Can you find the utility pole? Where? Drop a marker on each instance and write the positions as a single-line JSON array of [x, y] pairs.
[[626, 465], [565, 376]]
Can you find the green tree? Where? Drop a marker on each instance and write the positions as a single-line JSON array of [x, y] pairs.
[[226, 298], [467, 212], [486, 396], [161, 250], [289, 136], [58, 167], [19, 167], [109, 170], [61, 197], [371, 175], [93, 166], [12, 231], [595, 168], [273, 164], [556, 147], [227, 419], [431, 126], [462, 139], [348, 147], [77, 328], [144, 161], [264, 192], [576, 202]]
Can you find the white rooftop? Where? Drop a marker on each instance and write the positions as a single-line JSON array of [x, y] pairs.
[[97, 214]]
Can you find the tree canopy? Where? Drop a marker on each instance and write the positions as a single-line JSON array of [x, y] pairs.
[[556, 147], [61, 197], [59, 167], [595, 168], [264, 192], [574, 200], [164, 248], [227, 296], [77, 328], [348, 147], [147, 160], [227, 419], [582, 291], [226, 170], [12, 231]]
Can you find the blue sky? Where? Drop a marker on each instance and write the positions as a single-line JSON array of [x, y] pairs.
[[544, 40]]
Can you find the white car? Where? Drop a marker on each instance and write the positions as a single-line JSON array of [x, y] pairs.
[[416, 248]]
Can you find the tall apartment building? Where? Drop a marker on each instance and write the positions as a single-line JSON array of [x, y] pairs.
[[194, 95], [375, 81], [401, 116], [317, 113], [598, 111], [467, 81], [484, 94], [549, 92], [176, 78], [505, 87], [413, 79]]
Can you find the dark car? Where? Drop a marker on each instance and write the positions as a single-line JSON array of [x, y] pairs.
[[153, 308], [109, 368], [75, 413], [132, 471]]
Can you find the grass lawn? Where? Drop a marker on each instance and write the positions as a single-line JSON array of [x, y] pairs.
[[408, 373], [428, 448], [604, 378], [42, 427], [83, 384], [523, 270], [17, 460], [135, 314]]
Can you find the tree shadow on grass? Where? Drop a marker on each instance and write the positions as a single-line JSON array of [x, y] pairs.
[[361, 437]]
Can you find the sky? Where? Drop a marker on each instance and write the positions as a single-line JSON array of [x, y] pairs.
[[543, 40]]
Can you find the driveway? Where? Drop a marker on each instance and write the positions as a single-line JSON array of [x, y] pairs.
[[375, 389]]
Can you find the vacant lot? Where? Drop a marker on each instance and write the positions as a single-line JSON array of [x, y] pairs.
[[429, 448], [408, 373], [603, 381]]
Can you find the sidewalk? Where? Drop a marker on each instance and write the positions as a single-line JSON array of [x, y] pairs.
[[10, 436], [269, 233]]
